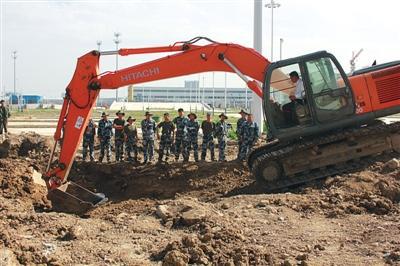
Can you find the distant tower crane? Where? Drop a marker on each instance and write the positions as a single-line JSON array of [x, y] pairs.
[[353, 60]]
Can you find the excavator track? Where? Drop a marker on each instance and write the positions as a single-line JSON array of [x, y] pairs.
[[270, 159]]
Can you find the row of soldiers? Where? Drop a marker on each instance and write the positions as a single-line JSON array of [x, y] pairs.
[[177, 136]]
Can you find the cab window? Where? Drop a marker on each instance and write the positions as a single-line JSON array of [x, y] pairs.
[[326, 83]]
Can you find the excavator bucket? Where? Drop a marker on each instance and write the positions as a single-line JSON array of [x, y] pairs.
[[73, 198]]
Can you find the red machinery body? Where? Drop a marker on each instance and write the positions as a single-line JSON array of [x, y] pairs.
[[377, 90]]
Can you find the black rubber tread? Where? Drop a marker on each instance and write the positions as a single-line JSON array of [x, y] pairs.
[[276, 151]]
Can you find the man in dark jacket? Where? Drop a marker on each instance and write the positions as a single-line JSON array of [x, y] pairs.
[[208, 128], [119, 138]]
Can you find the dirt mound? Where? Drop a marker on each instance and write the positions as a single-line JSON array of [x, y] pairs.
[[26, 153], [374, 190], [32, 143], [16, 181], [211, 238], [25, 144]]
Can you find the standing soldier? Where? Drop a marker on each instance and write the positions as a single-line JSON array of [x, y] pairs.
[[88, 140], [221, 132], [191, 140], [131, 138], [119, 138], [239, 130], [148, 131], [104, 133], [181, 131], [250, 136], [167, 136], [208, 128], [4, 115]]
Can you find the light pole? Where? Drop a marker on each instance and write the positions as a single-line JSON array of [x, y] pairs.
[[14, 56], [280, 48], [213, 94], [116, 41], [98, 45], [98, 42], [245, 105], [203, 96], [272, 5], [256, 102], [225, 93]]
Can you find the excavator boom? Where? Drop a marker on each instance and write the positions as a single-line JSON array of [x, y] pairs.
[[81, 94]]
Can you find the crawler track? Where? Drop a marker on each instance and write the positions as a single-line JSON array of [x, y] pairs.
[[276, 151]]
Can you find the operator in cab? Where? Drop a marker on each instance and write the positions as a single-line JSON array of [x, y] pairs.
[[289, 109]]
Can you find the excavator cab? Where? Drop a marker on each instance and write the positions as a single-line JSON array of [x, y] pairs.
[[325, 102]]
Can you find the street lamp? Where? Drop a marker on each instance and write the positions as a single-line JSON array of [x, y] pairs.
[[202, 104], [272, 5], [98, 45], [116, 41], [14, 57], [213, 91], [225, 102]]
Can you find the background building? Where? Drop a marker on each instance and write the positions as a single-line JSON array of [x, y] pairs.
[[235, 97]]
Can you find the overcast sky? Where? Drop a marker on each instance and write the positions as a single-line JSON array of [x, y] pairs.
[[50, 35]]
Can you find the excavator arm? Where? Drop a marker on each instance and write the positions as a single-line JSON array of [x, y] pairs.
[[185, 58]]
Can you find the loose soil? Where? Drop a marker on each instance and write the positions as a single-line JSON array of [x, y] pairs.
[[196, 213]]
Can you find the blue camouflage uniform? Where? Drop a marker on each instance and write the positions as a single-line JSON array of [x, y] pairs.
[[191, 141], [148, 132], [250, 137], [88, 140], [131, 141], [239, 131], [166, 139], [181, 132], [208, 129], [105, 133], [221, 132]]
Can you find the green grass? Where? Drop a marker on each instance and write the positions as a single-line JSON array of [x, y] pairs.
[[139, 115], [35, 113]]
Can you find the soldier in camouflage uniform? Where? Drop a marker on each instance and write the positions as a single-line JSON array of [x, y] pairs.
[[181, 131], [119, 138], [221, 132], [208, 128], [148, 132], [239, 130], [4, 115], [167, 137], [104, 133], [88, 140], [250, 137], [191, 140], [131, 139]]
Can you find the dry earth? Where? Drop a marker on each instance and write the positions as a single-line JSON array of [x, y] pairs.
[[197, 213]]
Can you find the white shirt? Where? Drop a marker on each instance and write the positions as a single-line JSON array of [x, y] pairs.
[[299, 91]]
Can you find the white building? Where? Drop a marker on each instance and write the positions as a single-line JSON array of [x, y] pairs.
[[234, 97]]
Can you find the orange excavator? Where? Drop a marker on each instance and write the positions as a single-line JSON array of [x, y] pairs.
[[335, 125]]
